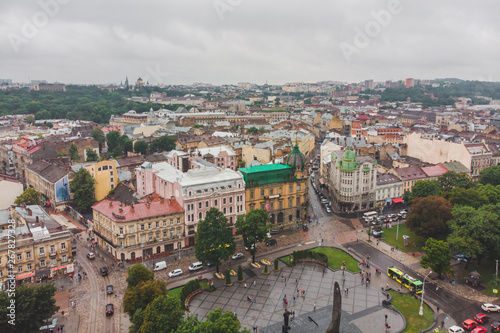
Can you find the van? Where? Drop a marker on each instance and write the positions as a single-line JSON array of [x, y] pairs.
[[160, 265], [195, 266], [455, 329]]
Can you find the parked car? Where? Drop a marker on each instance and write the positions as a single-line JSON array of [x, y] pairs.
[[495, 325], [109, 289], [455, 329], [209, 264], [469, 324], [377, 234], [328, 209], [274, 231], [462, 257], [481, 318], [272, 242], [160, 265], [480, 329], [175, 272], [238, 255], [488, 307], [110, 309], [104, 271], [195, 266], [91, 255]]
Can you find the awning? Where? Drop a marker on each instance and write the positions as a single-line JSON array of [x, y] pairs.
[[397, 200], [24, 276], [322, 181], [42, 272]]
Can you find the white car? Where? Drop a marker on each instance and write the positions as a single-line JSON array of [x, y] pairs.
[[196, 266], [488, 307], [175, 272], [237, 256], [455, 329]]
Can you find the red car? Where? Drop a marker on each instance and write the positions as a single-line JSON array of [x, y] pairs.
[[480, 329], [469, 324], [481, 318]]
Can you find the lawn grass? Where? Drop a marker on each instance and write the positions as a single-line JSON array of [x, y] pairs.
[[487, 271], [335, 259], [389, 236], [176, 292], [409, 307]]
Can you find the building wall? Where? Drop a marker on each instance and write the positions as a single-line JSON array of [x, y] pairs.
[[104, 173], [249, 153]]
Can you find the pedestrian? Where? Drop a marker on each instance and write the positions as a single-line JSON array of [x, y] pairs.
[[245, 285], [377, 241], [297, 293], [285, 279], [347, 291], [437, 309], [314, 307], [323, 271], [268, 283], [362, 279], [281, 278], [387, 286], [294, 299], [254, 283], [255, 299], [386, 319], [296, 281]]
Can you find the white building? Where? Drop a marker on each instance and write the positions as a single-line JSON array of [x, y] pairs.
[[389, 188]]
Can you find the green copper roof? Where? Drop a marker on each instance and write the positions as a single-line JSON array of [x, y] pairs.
[[267, 174], [348, 162], [296, 159], [264, 168]]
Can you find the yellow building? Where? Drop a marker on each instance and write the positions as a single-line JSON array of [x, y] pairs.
[[280, 189], [104, 173]]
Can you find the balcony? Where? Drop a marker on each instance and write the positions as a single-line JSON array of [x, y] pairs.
[[53, 254]]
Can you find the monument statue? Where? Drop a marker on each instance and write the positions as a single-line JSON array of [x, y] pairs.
[[336, 311], [286, 317]]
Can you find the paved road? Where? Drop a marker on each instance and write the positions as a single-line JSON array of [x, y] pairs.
[[459, 308]]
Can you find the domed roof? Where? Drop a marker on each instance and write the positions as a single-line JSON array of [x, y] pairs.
[[348, 161], [349, 156], [296, 159]]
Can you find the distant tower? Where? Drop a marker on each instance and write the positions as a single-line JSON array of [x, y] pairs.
[[126, 82]]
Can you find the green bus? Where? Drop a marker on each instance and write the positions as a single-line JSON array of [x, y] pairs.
[[405, 280]]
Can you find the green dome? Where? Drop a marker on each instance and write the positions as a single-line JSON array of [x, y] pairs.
[[296, 159], [348, 161]]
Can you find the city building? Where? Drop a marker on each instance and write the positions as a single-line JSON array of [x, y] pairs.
[[51, 180], [104, 173], [144, 230], [49, 87], [280, 189], [196, 190], [410, 175], [352, 181], [389, 190]]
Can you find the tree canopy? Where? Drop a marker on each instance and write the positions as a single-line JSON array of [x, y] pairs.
[[30, 196], [33, 304], [142, 294], [214, 238], [452, 179], [161, 144], [137, 274], [253, 228], [141, 147], [437, 255], [490, 175], [114, 143], [163, 315], [82, 187], [217, 322], [73, 153], [91, 155], [425, 188], [429, 216]]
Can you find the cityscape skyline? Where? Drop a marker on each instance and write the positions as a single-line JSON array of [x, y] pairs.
[[225, 42]]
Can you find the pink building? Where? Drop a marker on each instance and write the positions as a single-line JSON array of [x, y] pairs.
[[196, 190], [223, 157]]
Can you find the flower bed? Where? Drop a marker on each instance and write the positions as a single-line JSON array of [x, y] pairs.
[[265, 262], [220, 276], [232, 272], [256, 265]]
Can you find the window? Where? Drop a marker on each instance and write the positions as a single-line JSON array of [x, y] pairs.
[[149, 226], [64, 258], [131, 229], [199, 205], [42, 263], [271, 191], [200, 215], [224, 201], [262, 193], [42, 251], [172, 221], [206, 204], [28, 256], [157, 235], [19, 257], [19, 269], [230, 199], [230, 209], [164, 233], [157, 224], [290, 217], [53, 262], [298, 187], [171, 233], [262, 205], [290, 189], [150, 237], [298, 201], [111, 173], [63, 246], [215, 202], [28, 267], [224, 210], [178, 220], [121, 231], [165, 223], [142, 226]]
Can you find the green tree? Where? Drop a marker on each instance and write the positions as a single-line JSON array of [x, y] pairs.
[[163, 315], [307, 101], [452, 179], [141, 147], [91, 155], [161, 144], [141, 295], [217, 322], [114, 143], [467, 197], [30, 196], [33, 305], [437, 255], [490, 175], [228, 277], [429, 216], [82, 187], [30, 120], [73, 153], [240, 274], [127, 144], [424, 188], [214, 239], [98, 135], [253, 228], [137, 274], [253, 130]]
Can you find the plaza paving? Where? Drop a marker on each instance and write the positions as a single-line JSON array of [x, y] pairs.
[[362, 309]]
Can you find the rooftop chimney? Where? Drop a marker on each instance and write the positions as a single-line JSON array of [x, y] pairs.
[[29, 211]]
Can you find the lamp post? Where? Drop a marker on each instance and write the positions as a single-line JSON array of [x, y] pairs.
[[421, 311]]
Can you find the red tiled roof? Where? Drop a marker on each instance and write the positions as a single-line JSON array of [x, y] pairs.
[[140, 210], [434, 170]]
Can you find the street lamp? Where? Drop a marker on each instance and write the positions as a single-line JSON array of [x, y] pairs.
[[421, 311]]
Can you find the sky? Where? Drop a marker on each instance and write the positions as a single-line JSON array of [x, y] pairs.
[[231, 41]]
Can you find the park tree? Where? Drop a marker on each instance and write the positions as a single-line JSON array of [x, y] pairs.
[[91, 155], [161, 144], [137, 274], [114, 143], [490, 175], [471, 197], [474, 232], [73, 153], [216, 322], [424, 188], [162, 315], [214, 238], [30, 196], [437, 255], [253, 228], [429, 216], [452, 179], [142, 294], [127, 144], [33, 305], [82, 187], [141, 147], [98, 135]]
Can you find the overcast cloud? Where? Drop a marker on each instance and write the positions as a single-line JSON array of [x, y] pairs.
[[230, 41]]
